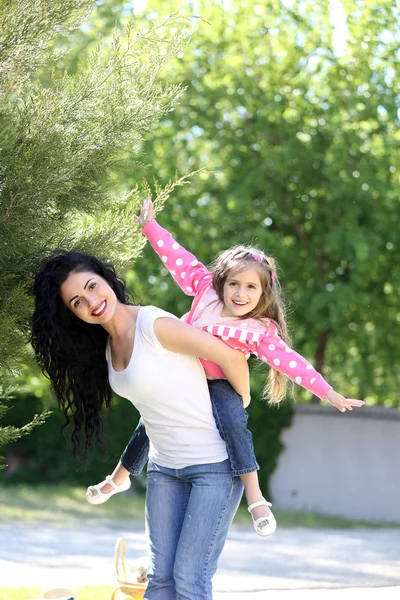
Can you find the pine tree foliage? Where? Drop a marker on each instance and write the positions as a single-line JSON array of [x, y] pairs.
[[60, 147], [26, 28], [62, 144], [9, 433]]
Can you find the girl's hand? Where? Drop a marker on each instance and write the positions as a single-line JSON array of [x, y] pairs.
[[246, 400], [342, 403], [146, 212]]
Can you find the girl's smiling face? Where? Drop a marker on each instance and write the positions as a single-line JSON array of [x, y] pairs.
[[89, 297], [241, 293]]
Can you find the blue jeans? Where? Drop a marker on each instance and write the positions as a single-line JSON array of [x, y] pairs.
[[231, 420], [188, 514]]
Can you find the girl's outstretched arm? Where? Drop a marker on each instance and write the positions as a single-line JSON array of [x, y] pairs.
[[180, 337], [184, 267], [272, 350]]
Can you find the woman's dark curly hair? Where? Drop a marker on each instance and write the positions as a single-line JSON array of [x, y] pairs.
[[69, 351]]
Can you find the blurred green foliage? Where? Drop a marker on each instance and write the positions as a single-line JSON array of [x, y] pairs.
[[43, 456]]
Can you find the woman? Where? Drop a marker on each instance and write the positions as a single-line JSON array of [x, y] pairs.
[[88, 339]]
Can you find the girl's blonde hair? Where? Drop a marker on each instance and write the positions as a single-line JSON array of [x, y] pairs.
[[270, 305]]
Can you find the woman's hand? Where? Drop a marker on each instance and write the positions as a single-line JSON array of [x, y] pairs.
[[146, 212], [342, 403]]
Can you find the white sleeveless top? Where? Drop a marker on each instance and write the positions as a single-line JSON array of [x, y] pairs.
[[170, 391]]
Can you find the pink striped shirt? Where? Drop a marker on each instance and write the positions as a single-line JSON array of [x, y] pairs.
[[248, 335]]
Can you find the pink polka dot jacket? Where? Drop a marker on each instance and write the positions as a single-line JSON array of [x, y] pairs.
[[248, 335]]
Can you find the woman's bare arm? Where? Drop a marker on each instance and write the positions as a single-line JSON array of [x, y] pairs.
[[180, 337]]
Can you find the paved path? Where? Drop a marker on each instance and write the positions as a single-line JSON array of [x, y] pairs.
[[291, 565]]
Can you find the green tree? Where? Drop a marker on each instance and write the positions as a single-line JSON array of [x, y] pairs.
[[63, 138]]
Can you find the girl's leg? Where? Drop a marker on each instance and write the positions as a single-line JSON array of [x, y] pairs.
[[167, 499], [253, 494], [132, 461], [214, 499], [119, 476], [252, 491], [231, 419], [135, 455]]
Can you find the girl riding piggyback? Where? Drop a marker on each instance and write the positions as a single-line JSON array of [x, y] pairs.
[[239, 302]]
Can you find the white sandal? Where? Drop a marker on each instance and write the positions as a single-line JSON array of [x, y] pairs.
[[94, 495], [264, 525]]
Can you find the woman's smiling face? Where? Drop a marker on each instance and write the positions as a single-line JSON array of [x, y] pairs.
[[89, 297]]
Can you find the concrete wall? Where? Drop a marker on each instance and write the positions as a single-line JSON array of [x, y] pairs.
[[344, 464]]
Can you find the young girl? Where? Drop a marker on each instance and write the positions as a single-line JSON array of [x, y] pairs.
[[239, 302]]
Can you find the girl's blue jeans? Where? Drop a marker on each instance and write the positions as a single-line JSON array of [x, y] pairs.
[[188, 514], [231, 420]]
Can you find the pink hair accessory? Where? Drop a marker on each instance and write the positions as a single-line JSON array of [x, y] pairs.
[[258, 258]]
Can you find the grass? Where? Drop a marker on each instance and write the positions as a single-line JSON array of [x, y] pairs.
[[64, 505], [98, 592]]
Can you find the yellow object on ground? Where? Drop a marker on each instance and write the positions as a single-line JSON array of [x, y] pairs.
[[126, 585]]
